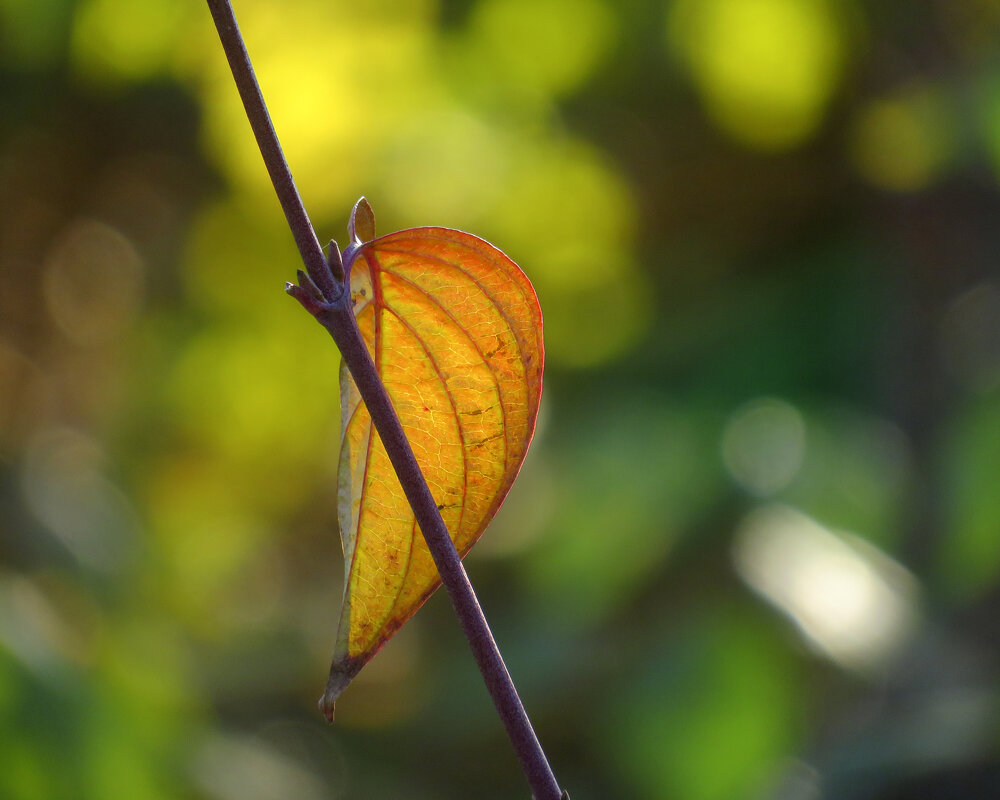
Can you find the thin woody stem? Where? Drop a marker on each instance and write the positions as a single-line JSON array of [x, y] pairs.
[[334, 312]]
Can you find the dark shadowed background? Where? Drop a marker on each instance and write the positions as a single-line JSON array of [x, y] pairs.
[[754, 553]]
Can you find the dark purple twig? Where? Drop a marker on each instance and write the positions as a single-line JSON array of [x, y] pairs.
[[334, 312]]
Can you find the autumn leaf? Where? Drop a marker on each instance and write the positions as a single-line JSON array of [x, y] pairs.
[[455, 331]]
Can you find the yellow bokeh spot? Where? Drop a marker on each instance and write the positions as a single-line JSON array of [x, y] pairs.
[[444, 166], [337, 87], [562, 196], [540, 46], [766, 69], [902, 143], [258, 398]]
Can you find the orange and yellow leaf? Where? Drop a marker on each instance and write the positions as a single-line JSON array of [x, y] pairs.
[[455, 331]]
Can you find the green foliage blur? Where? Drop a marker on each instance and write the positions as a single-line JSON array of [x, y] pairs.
[[754, 552]]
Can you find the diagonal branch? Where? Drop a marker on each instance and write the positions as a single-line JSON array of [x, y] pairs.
[[333, 310]]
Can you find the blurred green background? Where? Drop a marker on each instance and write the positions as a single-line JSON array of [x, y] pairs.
[[754, 552]]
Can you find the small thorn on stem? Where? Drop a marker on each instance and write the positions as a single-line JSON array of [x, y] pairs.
[[307, 283], [305, 298], [336, 262]]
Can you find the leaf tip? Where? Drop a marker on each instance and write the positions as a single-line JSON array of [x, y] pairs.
[[326, 707], [342, 672]]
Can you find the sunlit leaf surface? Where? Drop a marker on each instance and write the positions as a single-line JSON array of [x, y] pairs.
[[455, 330]]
